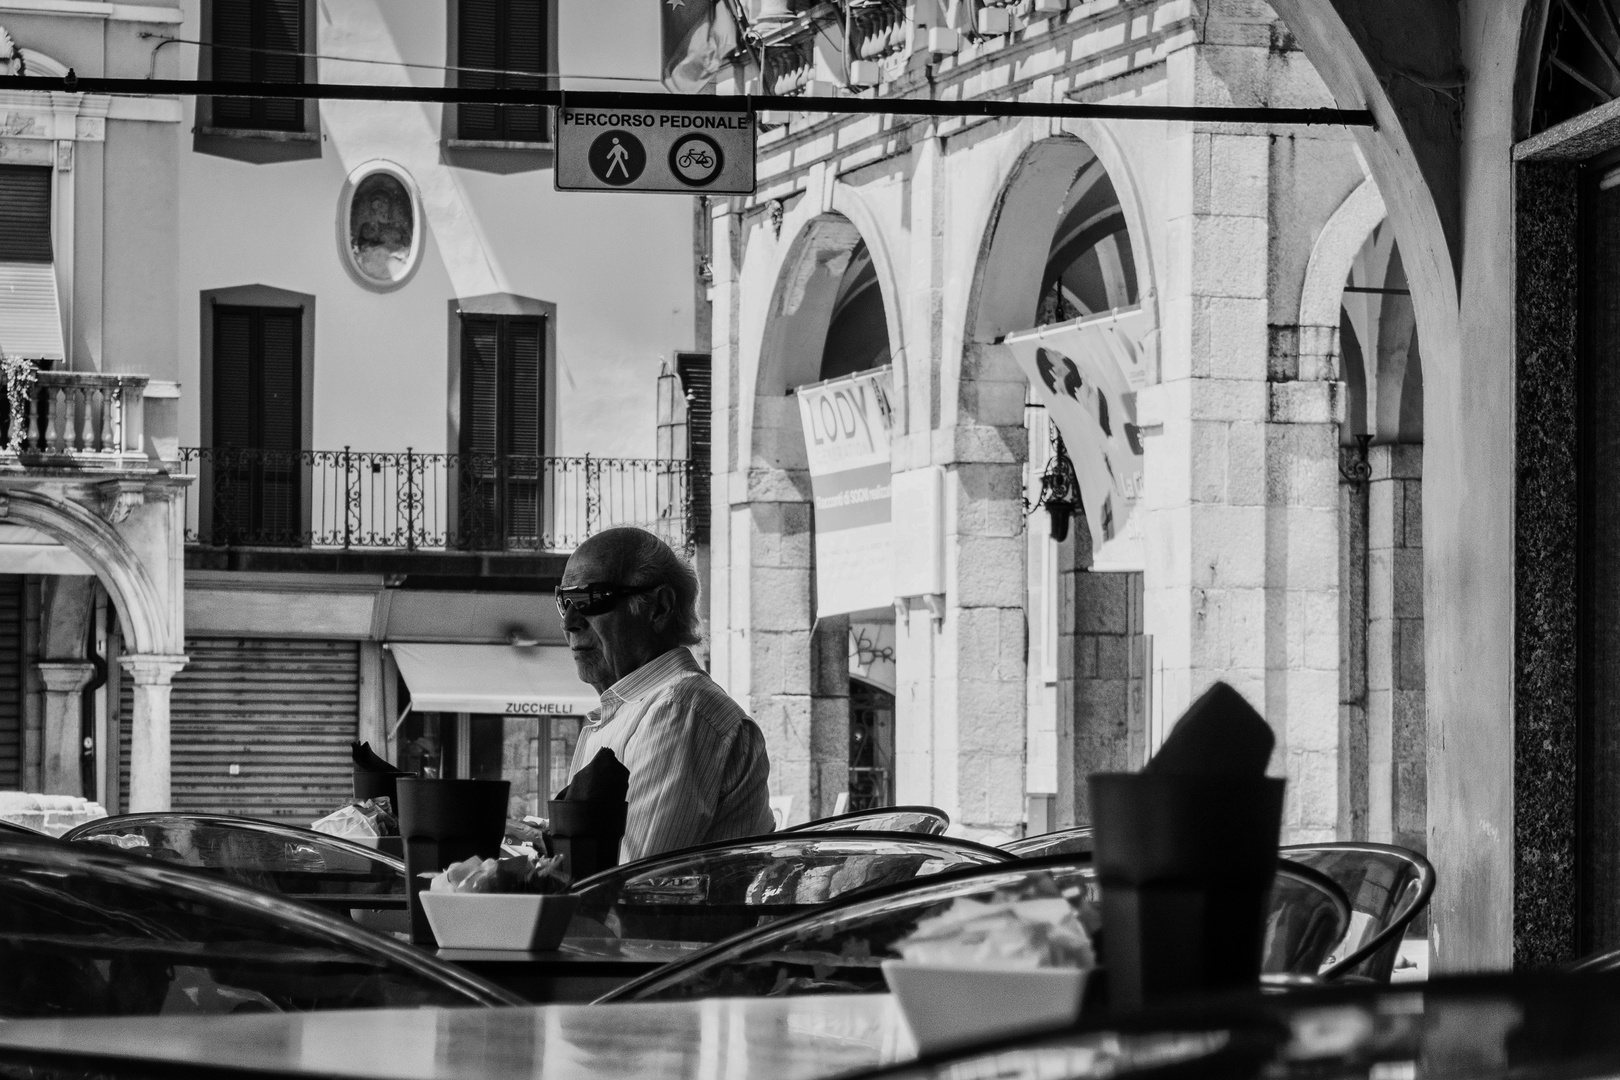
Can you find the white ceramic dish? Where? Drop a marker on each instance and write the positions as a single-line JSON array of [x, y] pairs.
[[955, 1006], [520, 921]]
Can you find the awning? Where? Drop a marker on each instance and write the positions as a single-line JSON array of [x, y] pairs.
[[30, 318], [509, 680]]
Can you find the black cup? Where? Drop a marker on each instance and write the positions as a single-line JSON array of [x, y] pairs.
[[443, 822], [1185, 864], [589, 833]]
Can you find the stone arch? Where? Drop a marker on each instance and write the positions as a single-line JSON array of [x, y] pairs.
[[142, 610], [1334, 252]]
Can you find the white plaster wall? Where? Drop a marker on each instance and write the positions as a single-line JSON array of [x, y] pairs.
[[618, 267]]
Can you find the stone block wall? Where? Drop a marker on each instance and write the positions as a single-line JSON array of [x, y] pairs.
[[1397, 740]]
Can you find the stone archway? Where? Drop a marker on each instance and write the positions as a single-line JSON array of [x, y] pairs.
[[1060, 202], [133, 546], [791, 668]]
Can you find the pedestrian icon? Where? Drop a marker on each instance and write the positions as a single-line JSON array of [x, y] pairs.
[[617, 157]]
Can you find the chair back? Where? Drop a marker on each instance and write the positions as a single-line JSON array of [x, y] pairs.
[[1062, 842], [297, 863], [840, 949], [87, 930], [1387, 888], [707, 893], [922, 820]]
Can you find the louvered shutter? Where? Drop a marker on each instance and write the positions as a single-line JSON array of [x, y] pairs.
[[282, 711], [524, 390], [280, 420], [11, 681], [25, 214], [500, 38], [479, 48], [697, 380], [230, 486], [481, 525], [254, 42], [525, 41]]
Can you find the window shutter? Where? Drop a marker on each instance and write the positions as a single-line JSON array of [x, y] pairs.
[[25, 213], [281, 403], [254, 40], [525, 40], [697, 380], [525, 388], [480, 386], [479, 47], [233, 394]]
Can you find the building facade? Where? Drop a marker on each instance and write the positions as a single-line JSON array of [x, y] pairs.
[[1275, 542], [404, 377]]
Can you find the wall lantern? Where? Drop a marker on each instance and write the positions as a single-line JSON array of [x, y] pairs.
[[1060, 489]]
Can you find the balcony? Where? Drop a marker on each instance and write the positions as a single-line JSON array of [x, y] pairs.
[[355, 501], [74, 421]]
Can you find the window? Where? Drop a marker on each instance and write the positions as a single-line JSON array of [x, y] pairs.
[[494, 39], [258, 41], [258, 430], [503, 390], [25, 213], [30, 320]]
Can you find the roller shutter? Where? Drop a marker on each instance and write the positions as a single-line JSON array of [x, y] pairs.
[[11, 683], [282, 712]]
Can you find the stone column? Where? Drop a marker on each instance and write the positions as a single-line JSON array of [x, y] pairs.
[[151, 675], [64, 682], [1396, 736]]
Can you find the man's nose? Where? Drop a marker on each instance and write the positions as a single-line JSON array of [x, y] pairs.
[[573, 621]]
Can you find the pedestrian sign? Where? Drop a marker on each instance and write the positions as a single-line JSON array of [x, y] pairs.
[[690, 151]]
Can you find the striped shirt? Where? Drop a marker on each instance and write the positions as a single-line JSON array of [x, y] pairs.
[[698, 770]]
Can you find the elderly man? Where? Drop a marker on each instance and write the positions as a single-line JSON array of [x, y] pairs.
[[697, 763]]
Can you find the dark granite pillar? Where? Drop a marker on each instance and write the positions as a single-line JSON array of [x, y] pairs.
[[1545, 823]]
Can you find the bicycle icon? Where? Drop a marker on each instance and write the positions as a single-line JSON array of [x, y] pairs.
[[696, 160]]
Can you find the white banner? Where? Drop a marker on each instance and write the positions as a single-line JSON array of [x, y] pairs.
[[1087, 372], [846, 435]]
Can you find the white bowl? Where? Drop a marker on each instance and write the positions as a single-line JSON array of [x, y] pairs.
[[521, 921], [947, 1007]]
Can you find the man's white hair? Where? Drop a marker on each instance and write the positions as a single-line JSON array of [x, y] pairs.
[[643, 558]]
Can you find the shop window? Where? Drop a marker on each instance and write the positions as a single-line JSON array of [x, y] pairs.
[[502, 44], [503, 390], [258, 41]]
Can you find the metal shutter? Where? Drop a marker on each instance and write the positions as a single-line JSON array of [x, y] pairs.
[[11, 681], [284, 712]]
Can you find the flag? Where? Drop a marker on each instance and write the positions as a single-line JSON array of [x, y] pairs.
[[1087, 372], [698, 36]]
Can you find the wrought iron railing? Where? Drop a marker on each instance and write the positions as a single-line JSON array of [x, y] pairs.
[[348, 499]]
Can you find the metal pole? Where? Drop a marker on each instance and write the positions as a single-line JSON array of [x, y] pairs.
[[632, 100]]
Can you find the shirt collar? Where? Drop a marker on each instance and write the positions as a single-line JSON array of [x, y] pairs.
[[651, 676]]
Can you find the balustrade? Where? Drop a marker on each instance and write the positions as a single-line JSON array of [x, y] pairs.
[[69, 417]]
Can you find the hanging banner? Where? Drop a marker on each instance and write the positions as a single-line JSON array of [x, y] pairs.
[[846, 435], [1087, 373]]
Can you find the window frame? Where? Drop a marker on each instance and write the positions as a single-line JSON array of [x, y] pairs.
[[496, 155], [259, 145]]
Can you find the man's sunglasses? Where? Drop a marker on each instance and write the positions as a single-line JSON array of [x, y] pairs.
[[595, 599]]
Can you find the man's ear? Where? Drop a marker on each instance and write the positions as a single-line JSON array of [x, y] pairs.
[[663, 611]]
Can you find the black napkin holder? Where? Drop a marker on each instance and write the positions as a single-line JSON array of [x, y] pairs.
[[1186, 865], [588, 833], [444, 822]]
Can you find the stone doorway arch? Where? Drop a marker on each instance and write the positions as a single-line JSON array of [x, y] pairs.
[[132, 540]]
